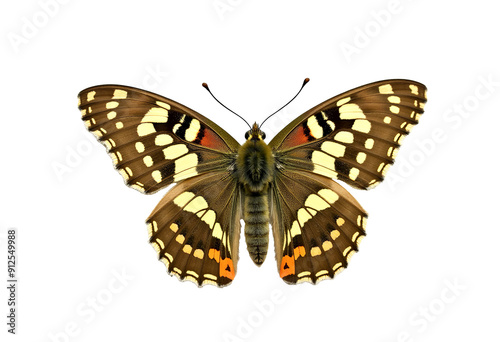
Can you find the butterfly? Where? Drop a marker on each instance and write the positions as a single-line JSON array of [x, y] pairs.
[[288, 184]]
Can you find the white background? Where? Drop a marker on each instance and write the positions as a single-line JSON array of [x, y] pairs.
[[428, 269]]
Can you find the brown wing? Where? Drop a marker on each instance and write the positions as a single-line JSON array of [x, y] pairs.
[[355, 136], [317, 226], [152, 140]]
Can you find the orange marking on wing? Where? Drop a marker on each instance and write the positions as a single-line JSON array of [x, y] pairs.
[[296, 137], [213, 141], [287, 266], [226, 268], [214, 254], [299, 251]]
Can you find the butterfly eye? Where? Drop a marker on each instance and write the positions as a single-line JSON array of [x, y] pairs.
[[247, 135], [263, 135]]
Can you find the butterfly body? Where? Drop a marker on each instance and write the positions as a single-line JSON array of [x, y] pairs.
[[255, 168], [288, 184]]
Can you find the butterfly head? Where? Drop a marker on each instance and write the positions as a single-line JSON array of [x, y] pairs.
[[255, 133]]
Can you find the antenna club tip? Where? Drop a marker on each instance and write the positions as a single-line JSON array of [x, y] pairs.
[[204, 85], [306, 80]]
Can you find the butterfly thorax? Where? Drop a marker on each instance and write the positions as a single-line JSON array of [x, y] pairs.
[[255, 170]]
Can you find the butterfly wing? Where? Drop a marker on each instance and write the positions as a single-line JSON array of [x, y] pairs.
[[155, 142], [353, 137], [152, 140]]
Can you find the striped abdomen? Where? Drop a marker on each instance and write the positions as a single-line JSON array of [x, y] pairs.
[[256, 216]]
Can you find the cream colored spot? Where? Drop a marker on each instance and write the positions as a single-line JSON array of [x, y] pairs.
[[156, 176], [156, 247], [408, 127], [193, 273], [355, 236], [345, 137], [358, 241], [182, 199], [334, 234], [175, 151], [315, 251], [414, 89], [159, 242], [385, 169], [380, 167], [351, 111], [119, 125], [145, 129], [421, 105], [304, 274], [209, 218], [389, 151], [353, 173], [340, 221], [338, 270], [119, 94], [394, 99], [107, 143], [295, 230], [185, 167], [210, 276], [347, 250], [217, 231], [349, 256], [90, 96], [343, 101], [196, 205], [369, 143], [111, 104], [129, 171], [156, 114], [163, 139], [193, 130], [139, 147], [397, 136], [180, 238], [321, 158], [362, 126], [303, 216], [387, 120], [361, 157], [89, 109], [187, 249], [385, 89], [327, 245], [163, 104], [314, 127], [328, 195], [321, 273], [333, 148], [324, 171], [124, 174], [198, 253], [148, 161], [83, 111], [394, 109], [315, 202], [337, 266], [174, 227], [176, 270]]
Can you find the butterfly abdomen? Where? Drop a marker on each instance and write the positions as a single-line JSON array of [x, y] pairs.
[[255, 168]]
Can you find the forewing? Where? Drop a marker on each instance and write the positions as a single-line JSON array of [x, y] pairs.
[[196, 227], [152, 140], [355, 136], [317, 226]]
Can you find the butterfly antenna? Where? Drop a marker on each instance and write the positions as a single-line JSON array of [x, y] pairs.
[[206, 87], [286, 104]]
